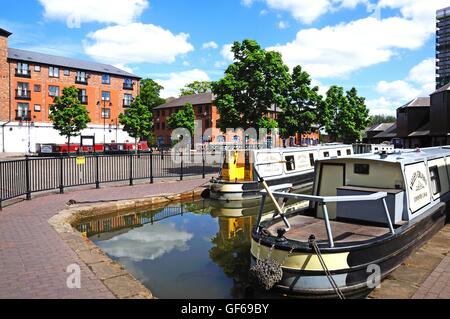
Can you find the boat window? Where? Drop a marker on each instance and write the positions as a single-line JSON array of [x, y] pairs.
[[349, 152], [435, 181], [339, 152], [361, 169], [326, 154], [290, 163], [311, 159]]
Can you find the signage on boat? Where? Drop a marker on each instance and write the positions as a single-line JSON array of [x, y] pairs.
[[81, 160], [269, 164], [418, 186]]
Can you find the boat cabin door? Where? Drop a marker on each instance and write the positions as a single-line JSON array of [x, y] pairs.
[[331, 177]]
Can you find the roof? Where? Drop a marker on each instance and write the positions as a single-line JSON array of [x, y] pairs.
[[442, 89], [380, 127], [29, 56], [194, 99], [4, 33], [423, 131], [389, 132], [418, 102]]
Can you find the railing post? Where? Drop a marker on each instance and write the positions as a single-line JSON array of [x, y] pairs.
[[327, 225], [27, 170], [181, 167], [131, 169], [203, 163], [151, 166], [97, 173], [391, 227], [61, 175]]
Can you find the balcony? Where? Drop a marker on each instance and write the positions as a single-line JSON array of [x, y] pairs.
[[23, 94], [23, 73], [23, 115], [83, 99], [80, 80], [128, 86]]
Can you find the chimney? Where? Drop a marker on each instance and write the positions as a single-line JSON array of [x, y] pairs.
[[4, 76]]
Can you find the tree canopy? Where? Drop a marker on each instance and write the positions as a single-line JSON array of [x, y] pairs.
[[137, 120], [382, 118], [255, 82], [184, 118], [196, 87], [68, 115], [150, 94]]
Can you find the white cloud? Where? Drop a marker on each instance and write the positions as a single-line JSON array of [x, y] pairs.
[[337, 51], [124, 67], [76, 12], [136, 43], [226, 52], [381, 106], [308, 11], [397, 90], [210, 45], [282, 25], [424, 73], [149, 242], [173, 82]]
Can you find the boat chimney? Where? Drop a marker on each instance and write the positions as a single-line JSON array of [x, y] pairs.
[[383, 154]]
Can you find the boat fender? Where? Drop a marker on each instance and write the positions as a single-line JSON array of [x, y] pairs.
[[266, 273], [280, 233]]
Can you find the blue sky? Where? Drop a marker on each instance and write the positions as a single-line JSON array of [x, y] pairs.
[[385, 48]]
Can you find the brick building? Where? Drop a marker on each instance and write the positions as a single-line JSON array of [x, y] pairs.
[[29, 81]]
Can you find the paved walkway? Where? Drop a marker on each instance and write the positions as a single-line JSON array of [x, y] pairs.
[[34, 259]]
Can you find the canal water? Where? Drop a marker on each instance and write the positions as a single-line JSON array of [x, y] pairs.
[[184, 250]]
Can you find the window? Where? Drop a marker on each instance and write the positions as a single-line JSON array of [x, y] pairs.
[[311, 159], [339, 153], [37, 107], [53, 90], [23, 90], [349, 152], [81, 77], [128, 83], [37, 88], [53, 72], [106, 79], [163, 126], [290, 163], [361, 169], [83, 96], [23, 111], [66, 72], [326, 154], [22, 69], [435, 181], [106, 96], [106, 113], [127, 99], [37, 68], [157, 126], [163, 113]]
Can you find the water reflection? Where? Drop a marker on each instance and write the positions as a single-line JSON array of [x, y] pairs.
[[185, 250]]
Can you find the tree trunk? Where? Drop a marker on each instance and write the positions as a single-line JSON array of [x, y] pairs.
[[135, 145], [68, 146]]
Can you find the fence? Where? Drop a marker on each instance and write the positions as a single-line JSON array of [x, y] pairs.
[[32, 175]]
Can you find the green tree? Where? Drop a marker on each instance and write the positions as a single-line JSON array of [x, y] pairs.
[[301, 109], [196, 87], [184, 118], [68, 115], [150, 94], [256, 81], [137, 120], [359, 114], [382, 118]]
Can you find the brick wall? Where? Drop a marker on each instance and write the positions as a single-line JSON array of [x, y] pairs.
[[94, 89], [4, 79]]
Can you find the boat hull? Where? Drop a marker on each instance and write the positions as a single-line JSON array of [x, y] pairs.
[[350, 266], [229, 191]]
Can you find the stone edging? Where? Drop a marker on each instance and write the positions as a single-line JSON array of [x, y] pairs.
[[121, 283]]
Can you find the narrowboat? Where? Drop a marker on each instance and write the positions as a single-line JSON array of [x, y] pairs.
[[237, 180], [367, 214]]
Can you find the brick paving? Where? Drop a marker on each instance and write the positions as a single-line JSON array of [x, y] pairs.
[[437, 285], [34, 258]]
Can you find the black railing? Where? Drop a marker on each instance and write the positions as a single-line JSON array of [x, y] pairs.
[[22, 94], [23, 115], [23, 73], [80, 80], [36, 174], [128, 86]]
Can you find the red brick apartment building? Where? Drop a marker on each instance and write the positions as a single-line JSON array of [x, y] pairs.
[[206, 113], [29, 81]]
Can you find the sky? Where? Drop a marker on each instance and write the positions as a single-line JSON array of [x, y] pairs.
[[384, 48]]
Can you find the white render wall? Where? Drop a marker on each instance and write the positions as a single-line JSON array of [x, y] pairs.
[[14, 138]]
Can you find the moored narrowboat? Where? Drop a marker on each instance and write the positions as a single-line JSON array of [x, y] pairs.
[[367, 214]]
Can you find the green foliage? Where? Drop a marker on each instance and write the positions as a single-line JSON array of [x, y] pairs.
[[382, 118], [68, 115], [137, 120], [267, 123], [196, 87], [149, 94], [257, 80], [184, 118], [344, 116], [300, 112]]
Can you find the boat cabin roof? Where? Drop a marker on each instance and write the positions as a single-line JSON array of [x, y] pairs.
[[301, 149]]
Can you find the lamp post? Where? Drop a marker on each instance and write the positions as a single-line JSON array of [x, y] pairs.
[[103, 114]]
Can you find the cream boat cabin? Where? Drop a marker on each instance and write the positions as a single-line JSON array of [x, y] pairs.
[[237, 179], [367, 212]]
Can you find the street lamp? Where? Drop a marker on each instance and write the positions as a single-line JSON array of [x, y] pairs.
[[103, 113]]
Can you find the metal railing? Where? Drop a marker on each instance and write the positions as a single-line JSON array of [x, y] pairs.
[[323, 200], [37, 174]]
